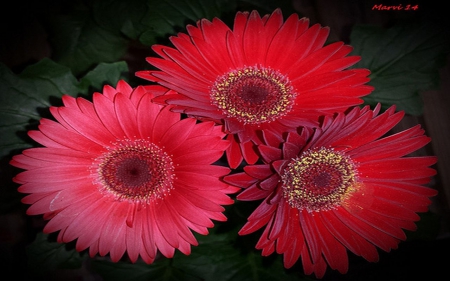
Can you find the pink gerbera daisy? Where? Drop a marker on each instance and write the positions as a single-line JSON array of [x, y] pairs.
[[342, 186], [264, 74], [121, 174]]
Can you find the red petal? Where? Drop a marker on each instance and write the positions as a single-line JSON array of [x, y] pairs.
[[105, 111], [126, 115], [147, 112], [87, 127], [269, 153], [233, 152], [351, 240], [258, 171], [240, 179], [56, 133], [249, 152], [177, 134], [58, 173], [163, 121], [253, 193], [282, 44]]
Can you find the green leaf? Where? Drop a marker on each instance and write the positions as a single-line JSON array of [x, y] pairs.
[[121, 16], [25, 99], [164, 17], [45, 256], [404, 60], [80, 43], [105, 73]]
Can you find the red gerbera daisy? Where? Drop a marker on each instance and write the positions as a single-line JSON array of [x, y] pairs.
[[121, 174], [265, 74], [341, 186]]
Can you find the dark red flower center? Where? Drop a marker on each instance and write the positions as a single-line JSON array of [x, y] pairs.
[[136, 170], [319, 179], [253, 95]]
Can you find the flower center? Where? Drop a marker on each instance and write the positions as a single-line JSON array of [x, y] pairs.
[[318, 180], [253, 95], [135, 170]]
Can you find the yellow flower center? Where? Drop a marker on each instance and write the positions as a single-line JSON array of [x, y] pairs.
[[318, 180], [253, 95]]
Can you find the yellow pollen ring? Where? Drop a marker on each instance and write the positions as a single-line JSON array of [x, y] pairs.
[[319, 179], [253, 95]]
